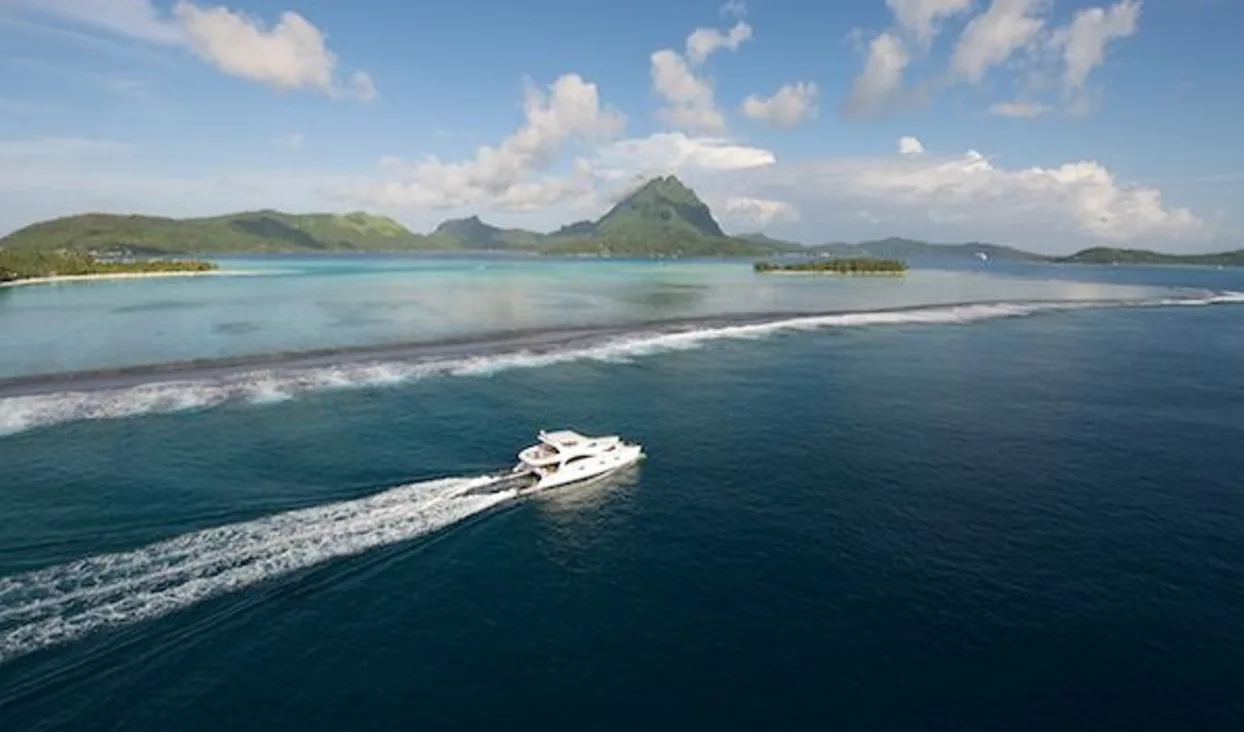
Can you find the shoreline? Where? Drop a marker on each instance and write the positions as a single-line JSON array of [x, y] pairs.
[[830, 272], [106, 276]]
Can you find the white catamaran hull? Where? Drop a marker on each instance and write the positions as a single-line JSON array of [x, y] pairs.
[[583, 469]]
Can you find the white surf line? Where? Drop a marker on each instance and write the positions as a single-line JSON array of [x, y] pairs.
[[273, 385], [47, 607], [112, 276]]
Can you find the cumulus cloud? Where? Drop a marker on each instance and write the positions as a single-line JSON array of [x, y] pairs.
[[920, 17], [908, 145], [292, 54], [790, 105], [704, 42], [991, 37], [968, 196], [1005, 33], [1083, 42], [758, 211], [505, 176], [880, 84], [689, 102], [1019, 109]]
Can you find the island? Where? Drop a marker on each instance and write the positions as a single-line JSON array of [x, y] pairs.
[[1110, 255], [20, 268], [838, 265], [656, 219]]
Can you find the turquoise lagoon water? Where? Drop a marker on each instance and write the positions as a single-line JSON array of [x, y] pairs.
[[287, 304]]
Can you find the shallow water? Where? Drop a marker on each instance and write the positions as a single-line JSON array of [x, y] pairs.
[[342, 301]]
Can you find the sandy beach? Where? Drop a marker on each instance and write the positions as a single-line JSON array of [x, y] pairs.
[[124, 276]]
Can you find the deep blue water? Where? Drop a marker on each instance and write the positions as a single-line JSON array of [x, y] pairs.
[[1021, 523]]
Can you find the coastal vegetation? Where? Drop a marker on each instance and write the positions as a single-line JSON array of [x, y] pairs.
[[247, 232], [1110, 255], [835, 265], [907, 249], [15, 266]]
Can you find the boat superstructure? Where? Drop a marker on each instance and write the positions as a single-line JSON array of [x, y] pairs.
[[565, 456]]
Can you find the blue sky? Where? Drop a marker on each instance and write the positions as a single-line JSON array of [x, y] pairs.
[[1050, 124]]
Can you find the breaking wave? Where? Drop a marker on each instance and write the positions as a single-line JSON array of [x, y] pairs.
[[274, 384], [50, 606]]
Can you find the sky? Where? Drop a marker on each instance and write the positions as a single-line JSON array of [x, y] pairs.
[[1047, 124]]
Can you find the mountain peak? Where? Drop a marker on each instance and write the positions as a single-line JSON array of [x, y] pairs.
[[465, 226], [662, 204]]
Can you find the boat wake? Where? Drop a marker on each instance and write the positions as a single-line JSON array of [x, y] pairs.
[[32, 402], [50, 606]]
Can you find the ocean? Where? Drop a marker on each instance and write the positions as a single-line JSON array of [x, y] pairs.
[[983, 496]]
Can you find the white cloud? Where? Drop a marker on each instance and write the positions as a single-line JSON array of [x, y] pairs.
[[733, 8], [704, 42], [1013, 31], [362, 87], [292, 54], [1083, 43], [1019, 109], [758, 211], [505, 176], [135, 18], [966, 196], [689, 101], [991, 37], [880, 84], [920, 17], [908, 145], [290, 141], [674, 152], [790, 105]]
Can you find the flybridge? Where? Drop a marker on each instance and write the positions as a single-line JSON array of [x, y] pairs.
[[565, 456]]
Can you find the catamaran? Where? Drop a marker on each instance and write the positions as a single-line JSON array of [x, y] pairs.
[[565, 456]]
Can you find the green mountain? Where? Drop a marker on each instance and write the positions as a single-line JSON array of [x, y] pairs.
[[899, 248], [471, 233], [776, 244], [662, 206], [663, 217], [251, 231], [1108, 255]]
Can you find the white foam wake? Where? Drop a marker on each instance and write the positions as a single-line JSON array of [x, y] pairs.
[[270, 385], [1220, 298], [58, 604]]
